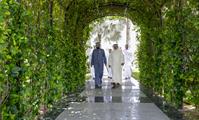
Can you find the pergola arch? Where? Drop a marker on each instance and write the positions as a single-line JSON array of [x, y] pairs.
[[87, 12], [147, 15], [44, 43], [138, 15]]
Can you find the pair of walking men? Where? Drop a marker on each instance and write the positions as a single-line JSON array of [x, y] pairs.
[[115, 62]]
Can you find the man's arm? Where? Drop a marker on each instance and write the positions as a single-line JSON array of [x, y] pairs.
[[104, 57], [92, 58], [122, 59], [110, 60]]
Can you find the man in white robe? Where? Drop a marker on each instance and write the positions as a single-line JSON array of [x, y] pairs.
[[128, 57], [116, 61]]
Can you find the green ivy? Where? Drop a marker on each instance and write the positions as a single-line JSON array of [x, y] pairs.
[[166, 54], [43, 44]]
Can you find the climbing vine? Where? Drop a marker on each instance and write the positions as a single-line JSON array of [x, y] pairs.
[[167, 49], [43, 43]]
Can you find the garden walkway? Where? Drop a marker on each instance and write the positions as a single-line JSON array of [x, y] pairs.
[[126, 102]]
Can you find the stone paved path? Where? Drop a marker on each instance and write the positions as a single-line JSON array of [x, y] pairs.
[[127, 102]]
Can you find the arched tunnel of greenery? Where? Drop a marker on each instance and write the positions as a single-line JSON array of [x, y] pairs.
[[43, 43]]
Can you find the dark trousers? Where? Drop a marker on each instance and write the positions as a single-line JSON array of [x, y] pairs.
[[98, 75]]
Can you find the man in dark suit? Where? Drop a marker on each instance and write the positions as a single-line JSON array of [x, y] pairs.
[[98, 60]]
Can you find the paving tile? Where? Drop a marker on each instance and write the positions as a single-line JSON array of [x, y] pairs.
[[127, 102], [112, 111]]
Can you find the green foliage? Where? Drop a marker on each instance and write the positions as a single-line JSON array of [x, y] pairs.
[[39, 63], [43, 43], [136, 75], [168, 54]]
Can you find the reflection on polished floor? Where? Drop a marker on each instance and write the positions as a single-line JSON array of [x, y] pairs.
[[126, 102]]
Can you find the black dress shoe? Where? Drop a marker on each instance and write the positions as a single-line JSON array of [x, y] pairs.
[[98, 87], [118, 84], [114, 85]]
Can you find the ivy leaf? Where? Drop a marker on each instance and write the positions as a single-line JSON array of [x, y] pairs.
[[15, 71]]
